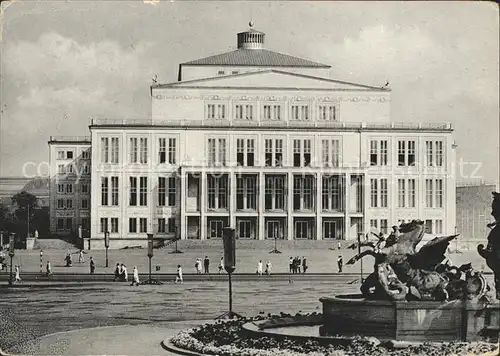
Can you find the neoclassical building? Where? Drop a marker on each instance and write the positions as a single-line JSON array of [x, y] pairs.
[[268, 144]]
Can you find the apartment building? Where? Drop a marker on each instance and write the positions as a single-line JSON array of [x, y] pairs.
[[266, 143]]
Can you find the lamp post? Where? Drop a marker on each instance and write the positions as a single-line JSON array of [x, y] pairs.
[[275, 241], [1, 239], [176, 238], [106, 244], [11, 255], [150, 256], [228, 236], [359, 251]]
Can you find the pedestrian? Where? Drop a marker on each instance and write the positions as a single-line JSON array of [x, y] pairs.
[[291, 265], [199, 268], [268, 267], [340, 263], [304, 265], [179, 275], [92, 266], [80, 257], [259, 268], [68, 259], [118, 271], [299, 264], [124, 273], [339, 245], [18, 277], [135, 280], [221, 265], [206, 264], [48, 269]]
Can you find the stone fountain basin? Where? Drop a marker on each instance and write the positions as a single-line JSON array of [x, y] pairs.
[[351, 314]]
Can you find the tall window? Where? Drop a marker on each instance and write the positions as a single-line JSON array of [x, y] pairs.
[[439, 153], [162, 150], [171, 191], [383, 193], [374, 223], [143, 225], [401, 193], [104, 190], [243, 112], [411, 193], [161, 225], [303, 192], [60, 188], [114, 150], [161, 191], [300, 112], [439, 193], [104, 150], [330, 153], [69, 188], [60, 154], [143, 158], [332, 193], [86, 154], [327, 113], [143, 191], [172, 149], [216, 152], [84, 203], [114, 225], [272, 112], [406, 153], [429, 192], [301, 153], [217, 192], [134, 150], [378, 193], [438, 227], [274, 152], [246, 192], [133, 191], [275, 192], [384, 226], [374, 193], [428, 226], [245, 152], [114, 191], [216, 111], [378, 152], [429, 153], [132, 225], [434, 153], [104, 225]]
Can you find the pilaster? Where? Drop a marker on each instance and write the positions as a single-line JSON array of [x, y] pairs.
[[289, 206], [202, 198], [232, 199], [318, 187], [261, 188], [182, 205], [347, 205]]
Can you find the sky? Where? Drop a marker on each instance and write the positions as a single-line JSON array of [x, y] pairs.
[[64, 62]]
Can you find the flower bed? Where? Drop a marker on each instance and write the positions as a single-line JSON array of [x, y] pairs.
[[226, 338]]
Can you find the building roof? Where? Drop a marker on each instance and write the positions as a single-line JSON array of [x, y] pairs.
[[255, 57]]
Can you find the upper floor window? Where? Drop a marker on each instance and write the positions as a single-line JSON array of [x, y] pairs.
[[274, 152], [330, 153], [84, 188], [114, 150], [243, 111], [69, 154], [327, 113], [300, 112], [60, 155], [143, 191], [303, 192], [60, 169], [301, 153], [406, 193], [216, 111], [246, 192], [216, 151], [86, 154], [104, 191], [164, 156], [434, 153], [143, 157], [133, 191], [272, 112], [406, 153], [245, 152], [217, 192], [114, 191], [378, 152], [134, 150], [104, 150], [220, 72], [378, 193]]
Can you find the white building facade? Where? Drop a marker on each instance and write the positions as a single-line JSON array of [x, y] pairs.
[[265, 143]]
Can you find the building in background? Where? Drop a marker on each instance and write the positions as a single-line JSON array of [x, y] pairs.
[[10, 186], [69, 185], [266, 143]]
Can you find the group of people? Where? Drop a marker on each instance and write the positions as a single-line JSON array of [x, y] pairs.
[[297, 263], [121, 274], [69, 261], [203, 266], [268, 268]]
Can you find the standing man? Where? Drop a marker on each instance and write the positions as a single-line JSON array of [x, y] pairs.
[[340, 263], [221, 265], [124, 273], [18, 277], [48, 269], [92, 266], [291, 265], [179, 274], [268, 267], [304, 264], [135, 279], [339, 245], [259, 268], [117, 272], [206, 264], [299, 264]]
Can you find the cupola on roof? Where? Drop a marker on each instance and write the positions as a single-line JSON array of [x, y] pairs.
[[251, 39]]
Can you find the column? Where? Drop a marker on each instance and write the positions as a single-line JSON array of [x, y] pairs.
[[202, 197], [261, 207], [365, 193], [319, 230], [182, 205], [347, 188], [232, 199], [290, 206]]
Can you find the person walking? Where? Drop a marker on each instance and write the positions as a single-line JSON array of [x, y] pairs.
[[124, 273], [48, 269], [117, 273], [339, 245], [304, 265], [340, 263], [259, 268], [268, 267], [18, 277], [221, 265], [92, 266], [206, 264], [299, 264], [135, 279], [80, 257], [179, 275]]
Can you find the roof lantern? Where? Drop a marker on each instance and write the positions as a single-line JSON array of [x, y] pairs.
[[251, 39]]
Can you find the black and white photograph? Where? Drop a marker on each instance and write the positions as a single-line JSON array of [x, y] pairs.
[[249, 178]]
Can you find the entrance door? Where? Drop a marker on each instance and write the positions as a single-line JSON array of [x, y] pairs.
[[274, 229], [215, 229], [302, 229], [329, 228]]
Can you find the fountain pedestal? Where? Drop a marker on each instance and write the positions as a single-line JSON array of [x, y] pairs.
[[410, 321]]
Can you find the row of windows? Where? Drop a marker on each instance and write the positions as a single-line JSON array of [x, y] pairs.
[[68, 204], [275, 111], [67, 188], [135, 225], [431, 226], [434, 154], [61, 154], [138, 195], [406, 193], [83, 168]]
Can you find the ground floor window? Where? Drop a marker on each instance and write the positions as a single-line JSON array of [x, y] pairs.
[[215, 227], [246, 229], [275, 229], [303, 229]]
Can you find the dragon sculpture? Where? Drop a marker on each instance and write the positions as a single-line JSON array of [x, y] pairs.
[[492, 251], [403, 273]]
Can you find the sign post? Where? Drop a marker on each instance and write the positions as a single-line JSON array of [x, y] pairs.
[[150, 256], [228, 237], [106, 244], [11, 255]]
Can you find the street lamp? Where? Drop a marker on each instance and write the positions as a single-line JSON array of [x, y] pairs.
[[106, 244], [229, 265], [1, 239], [150, 256], [11, 255], [275, 241]]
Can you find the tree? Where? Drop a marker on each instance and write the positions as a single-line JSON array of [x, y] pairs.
[[26, 203]]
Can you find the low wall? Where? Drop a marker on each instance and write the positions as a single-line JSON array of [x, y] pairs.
[[116, 244], [30, 243]]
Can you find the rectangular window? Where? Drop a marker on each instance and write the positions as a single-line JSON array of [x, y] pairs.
[[428, 226], [332, 193], [217, 152], [60, 169], [378, 152], [216, 111], [69, 188], [143, 191], [374, 224], [272, 112], [212, 152], [274, 192], [114, 150], [133, 191], [243, 112], [85, 204], [162, 150], [171, 225], [383, 193], [327, 113], [60, 203], [296, 152], [132, 225], [69, 224], [411, 153], [383, 153], [217, 192], [373, 153], [429, 153], [114, 191], [330, 153], [240, 151], [143, 225], [439, 226], [69, 203], [439, 153], [114, 225], [434, 153], [134, 150], [104, 225], [171, 191], [439, 193], [104, 150], [246, 195], [303, 193], [406, 153], [401, 153], [274, 152], [374, 193], [161, 226], [300, 112], [60, 224], [210, 111], [429, 192], [60, 188], [250, 152], [411, 193], [104, 191], [69, 154], [86, 154], [172, 150], [401, 193], [143, 150], [162, 190], [384, 228], [60, 154]]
